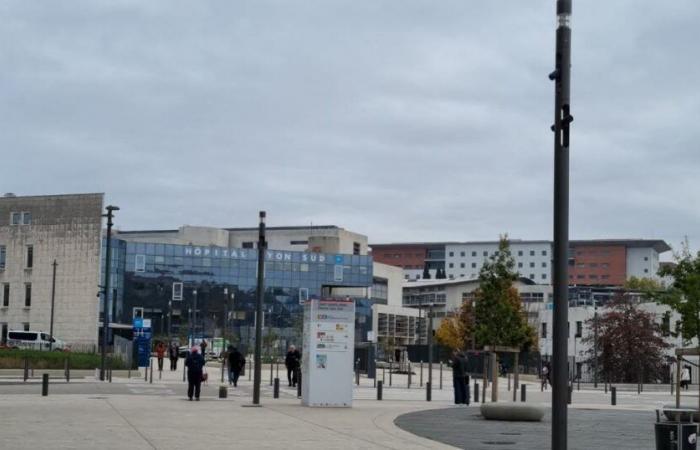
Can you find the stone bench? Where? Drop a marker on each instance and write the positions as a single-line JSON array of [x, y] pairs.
[[682, 414], [514, 412]]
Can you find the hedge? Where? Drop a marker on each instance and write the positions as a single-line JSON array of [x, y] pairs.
[[14, 359]]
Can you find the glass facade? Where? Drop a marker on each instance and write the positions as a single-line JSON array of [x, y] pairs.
[[222, 282]]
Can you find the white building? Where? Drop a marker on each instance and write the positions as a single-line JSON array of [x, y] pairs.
[[532, 259], [35, 231]]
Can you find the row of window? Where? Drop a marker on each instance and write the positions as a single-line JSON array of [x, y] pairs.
[[590, 277], [6, 295], [28, 257], [579, 329], [21, 218], [592, 265], [474, 265], [486, 253]]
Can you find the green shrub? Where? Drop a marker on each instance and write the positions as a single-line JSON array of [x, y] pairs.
[[14, 359]]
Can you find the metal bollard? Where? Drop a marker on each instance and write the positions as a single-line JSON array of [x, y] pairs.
[[45, 385], [151, 374], [428, 392], [271, 378], [145, 374], [508, 382], [476, 392], [357, 376], [606, 387], [67, 370], [26, 369], [421, 374], [639, 389], [110, 372], [223, 364], [523, 392], [223, 392], [390, 372], [409, 376], [380, 388], [250, 369], [570, 390], [613, 395], [184, 371], [299, 385], [276, 389], [440, 374]]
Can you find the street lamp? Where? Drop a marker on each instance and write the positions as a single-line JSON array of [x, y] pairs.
[[262, 245], [194, 316], [105, 289], [53, 301], [562, 119], [430, 352]]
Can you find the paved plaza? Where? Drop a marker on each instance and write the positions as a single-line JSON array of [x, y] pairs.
[[136, 414]]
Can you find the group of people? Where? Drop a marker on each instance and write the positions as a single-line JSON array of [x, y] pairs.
[[173, 354]]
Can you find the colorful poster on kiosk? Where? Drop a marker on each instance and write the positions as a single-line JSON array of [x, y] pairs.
[[327, 352]]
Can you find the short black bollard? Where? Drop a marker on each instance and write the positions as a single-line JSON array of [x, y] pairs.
[[613, 395], [67, 370], [390, 372], [26, 369], [639, 389], [380, 388], [357, 377], [223, 392], [151, 381], [184, 372], [570, 391], [440, 374], [276, 389], [476, 392], [145, 374], [250, 370], [299, 385], [509, 382], [523, 392], [409, 376], [110, 373], [428, 392], [45, 385]]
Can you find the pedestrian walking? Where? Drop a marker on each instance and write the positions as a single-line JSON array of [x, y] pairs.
[[459, 378], [160, 354], [203, 346], [292, 362], [173, 354], [195, 370], [236, 361], [685, 377], [545, 375]]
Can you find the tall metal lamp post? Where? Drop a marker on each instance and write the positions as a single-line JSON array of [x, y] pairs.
[[105, 289], [257, 375], [53, 302], [562, 119]]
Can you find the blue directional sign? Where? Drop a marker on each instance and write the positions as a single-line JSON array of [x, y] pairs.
[[142, 340]]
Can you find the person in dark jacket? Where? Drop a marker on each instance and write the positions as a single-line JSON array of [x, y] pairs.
[[292, 362], [173, 354], [195, 369], [236, 361], [459, 378]]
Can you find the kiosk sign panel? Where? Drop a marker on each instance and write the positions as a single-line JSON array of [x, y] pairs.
[[327, 353], [142, 339]]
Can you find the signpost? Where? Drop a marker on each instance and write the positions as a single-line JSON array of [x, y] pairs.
[[142, 338], [327, 354]]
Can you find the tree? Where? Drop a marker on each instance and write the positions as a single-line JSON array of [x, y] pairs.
[[630, 343], [498, 313], [683, 295], [643, 284], [450, 333]]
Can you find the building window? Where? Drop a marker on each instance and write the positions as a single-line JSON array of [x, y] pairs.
[[462, 265], [3, 336], [532, 264], [544, 264], [544, 252], [461, 275], [28, 295], [593, 277], [6, 295], [532, 253], [247, 245], [452, 254], [544, 276], [15, 218], [356, 247], [646, 258], [451, 265], [26, 218], [473, 253], [544, 330], [520, 264], [177, 291], [473, 265], [532, 276], [25, 326], [646, 270], [304, 294], [486, 253], [520, 253], [140, 265], [463, 254], [3, 256], [301, 243], [580, 277], [579, 329], [30, 256]]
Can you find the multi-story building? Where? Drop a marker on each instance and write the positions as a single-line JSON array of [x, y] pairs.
[[591, 262], [35, 231]]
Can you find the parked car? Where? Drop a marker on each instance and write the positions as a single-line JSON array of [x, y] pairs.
[[33, 340]]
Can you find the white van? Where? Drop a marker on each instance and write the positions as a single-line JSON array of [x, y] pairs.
[[33, 340]]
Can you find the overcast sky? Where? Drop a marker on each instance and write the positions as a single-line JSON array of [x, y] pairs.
[[402, 120]]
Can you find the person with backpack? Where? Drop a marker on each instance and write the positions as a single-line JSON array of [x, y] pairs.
[[459, 380], [195, 371]]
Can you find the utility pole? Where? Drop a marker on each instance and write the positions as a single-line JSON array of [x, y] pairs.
[[225, 316], [430, 347], [262, 245], [53, 302], [194, 316], [595, 344], [105, 289], [562, 118]]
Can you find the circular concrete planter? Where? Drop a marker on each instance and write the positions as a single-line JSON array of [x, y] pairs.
[[513, 412]]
